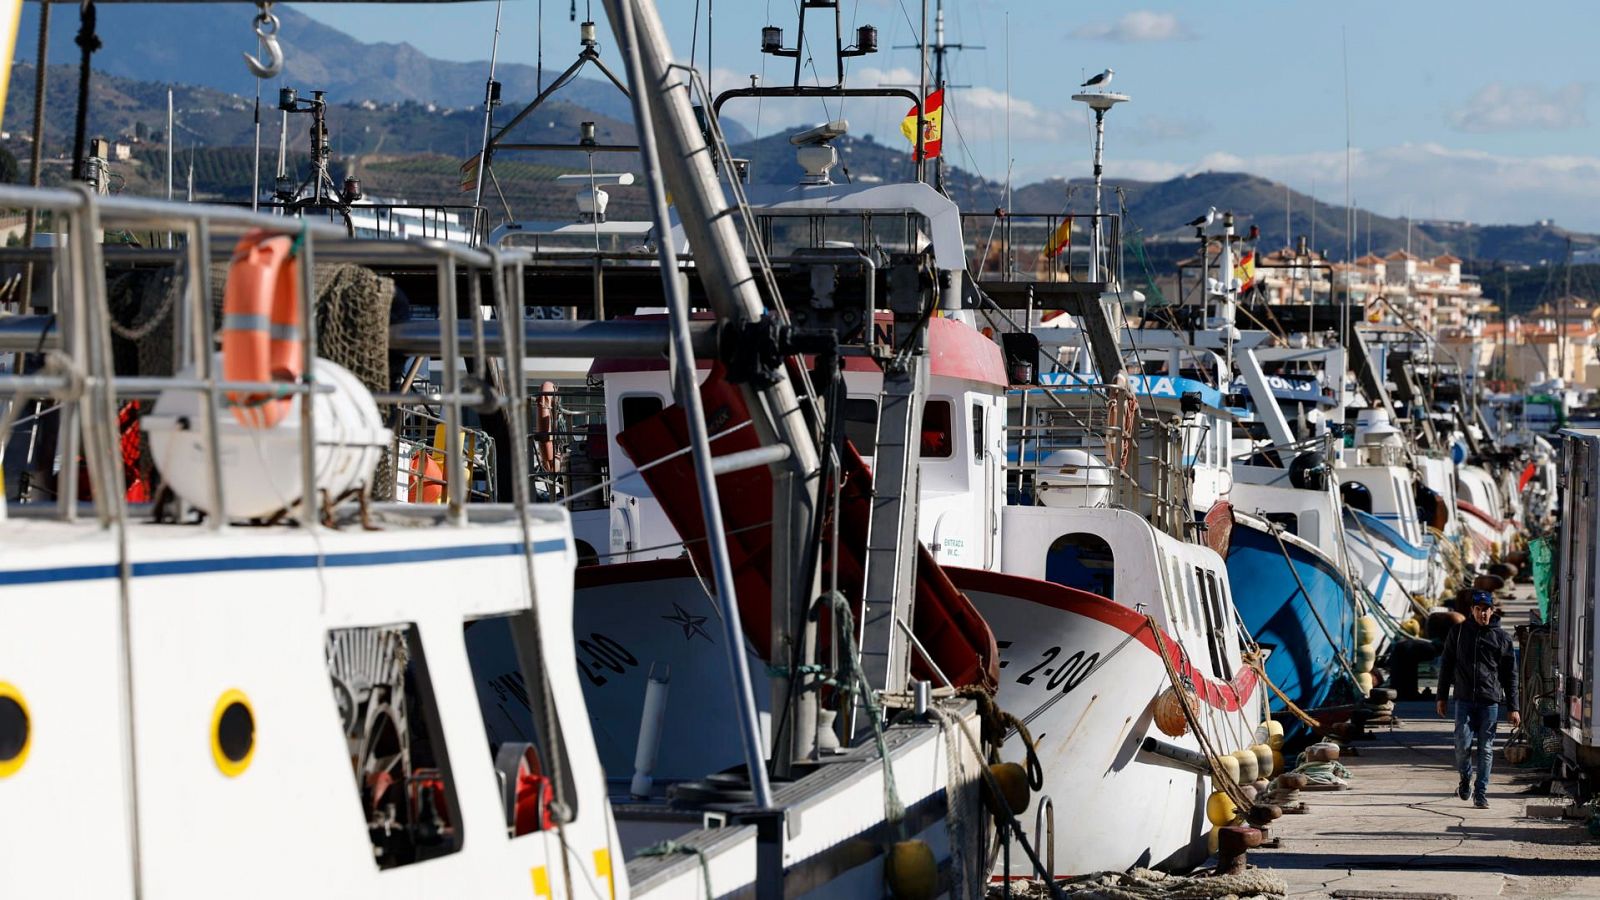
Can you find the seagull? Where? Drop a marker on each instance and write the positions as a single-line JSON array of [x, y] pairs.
[[1202, 221], [1101, 80]]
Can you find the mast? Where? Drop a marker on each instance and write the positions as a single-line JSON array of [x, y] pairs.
[[732, 294], [922, 93], [491, 97]]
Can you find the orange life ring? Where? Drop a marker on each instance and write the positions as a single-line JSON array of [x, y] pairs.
[[1122, 415], [261, 325]]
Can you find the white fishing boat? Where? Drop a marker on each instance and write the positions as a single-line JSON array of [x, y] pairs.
[[273, 679]]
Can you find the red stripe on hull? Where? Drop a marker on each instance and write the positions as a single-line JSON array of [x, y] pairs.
[[1228, 697]]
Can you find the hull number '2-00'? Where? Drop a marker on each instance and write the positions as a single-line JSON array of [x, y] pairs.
[[604, 653], [1066, 675]]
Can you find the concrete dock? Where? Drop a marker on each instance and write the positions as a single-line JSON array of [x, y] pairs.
[[1401, 833]]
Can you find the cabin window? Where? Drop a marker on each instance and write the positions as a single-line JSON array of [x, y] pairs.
[[861, 424], [1083, 561], [1356, 495], [1218, 634], [385, 700], [638, 407], [938, 432], [1210, 609], [977, 432], [508, 678]]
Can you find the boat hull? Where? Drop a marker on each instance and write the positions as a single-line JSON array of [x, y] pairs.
[[1082, 673], [1392, 568], [1300, 615]]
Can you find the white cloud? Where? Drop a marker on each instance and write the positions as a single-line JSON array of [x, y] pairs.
[[1136, 27], [1523, 107]]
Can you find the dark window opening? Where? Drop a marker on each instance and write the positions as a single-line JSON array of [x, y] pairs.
[[1356, 496], [977, 433], [1083, 561], [507, 675], [1220, 644], [638, 407], [396, 743], [938, 434]]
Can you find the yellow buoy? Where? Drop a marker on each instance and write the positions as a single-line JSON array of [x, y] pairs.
[[1012, 779], [1274, 734], [1364, 681], [1229, 765], [1277, 760], [911, 871], [1263, 754], [1168, 712], [1213, 838], [1367, 630], [1366, 657], [1249, 767], [1220, 808]]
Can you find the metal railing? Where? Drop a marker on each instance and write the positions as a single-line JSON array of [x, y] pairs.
[[1029, 247], [81, 374], [395, 221]]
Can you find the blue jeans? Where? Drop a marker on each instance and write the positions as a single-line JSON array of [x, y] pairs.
[[1476, 721]]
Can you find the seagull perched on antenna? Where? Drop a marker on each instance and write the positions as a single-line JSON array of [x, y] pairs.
[[1101, 80], [1202, 221]]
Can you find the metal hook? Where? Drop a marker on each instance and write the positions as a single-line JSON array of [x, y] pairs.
[[267, 32]]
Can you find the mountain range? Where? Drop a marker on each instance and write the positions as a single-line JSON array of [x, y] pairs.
[[403, 121]]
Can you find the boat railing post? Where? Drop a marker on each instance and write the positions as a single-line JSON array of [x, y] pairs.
[[309, 502], [450, 347], [198, 316], [68, 310]]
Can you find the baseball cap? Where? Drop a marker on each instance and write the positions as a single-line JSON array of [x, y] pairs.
[[1482, 598]]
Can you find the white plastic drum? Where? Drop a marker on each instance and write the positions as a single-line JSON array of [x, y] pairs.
[[261, 467]]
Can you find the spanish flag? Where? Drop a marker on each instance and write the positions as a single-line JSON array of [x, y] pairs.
[[1245, 271], [1060, 240], [469, 173], [932, 125]]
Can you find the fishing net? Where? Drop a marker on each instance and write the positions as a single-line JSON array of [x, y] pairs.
[[352, 312], [1538, 688], [1542, 559], [1144, 884]]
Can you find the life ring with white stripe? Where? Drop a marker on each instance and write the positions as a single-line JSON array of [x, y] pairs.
[[261, 325]]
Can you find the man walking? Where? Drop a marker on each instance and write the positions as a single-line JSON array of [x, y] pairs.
[[1479, 665]]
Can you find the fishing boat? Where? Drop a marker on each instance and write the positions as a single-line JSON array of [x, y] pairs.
[[1112, 588], [252, 671]]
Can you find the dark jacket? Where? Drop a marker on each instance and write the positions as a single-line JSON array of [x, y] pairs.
[[1479, 665]]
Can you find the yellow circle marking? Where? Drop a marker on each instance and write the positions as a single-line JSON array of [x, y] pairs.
[[10, 766], [229, 767]]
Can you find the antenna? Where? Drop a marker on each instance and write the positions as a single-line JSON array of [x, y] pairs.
[[1349, 211], [491, 99], [940, 49]]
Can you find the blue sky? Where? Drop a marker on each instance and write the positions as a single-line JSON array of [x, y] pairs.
[[1465, 110]]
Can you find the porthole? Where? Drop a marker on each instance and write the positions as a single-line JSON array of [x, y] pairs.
[[16, 730], [233, 733]]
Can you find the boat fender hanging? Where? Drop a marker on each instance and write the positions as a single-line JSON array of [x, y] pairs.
[[1169, 715], [261, 325], [911, 872], [1011, 780]]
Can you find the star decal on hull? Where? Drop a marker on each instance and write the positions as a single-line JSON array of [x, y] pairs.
[[691, 624]]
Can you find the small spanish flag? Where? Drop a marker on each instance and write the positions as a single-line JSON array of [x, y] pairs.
[[932, 125], [1060, 240], [1245, 271], [469, 172]]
